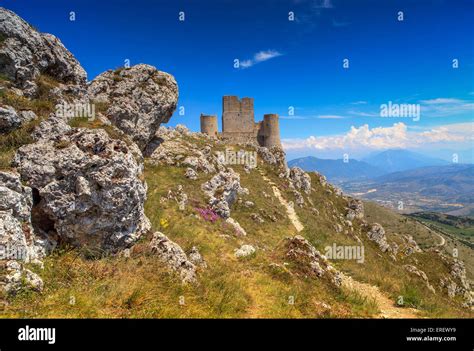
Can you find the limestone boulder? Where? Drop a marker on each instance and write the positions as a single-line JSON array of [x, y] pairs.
[[174, 257], [87, 189], [25, 54], [138, 100]]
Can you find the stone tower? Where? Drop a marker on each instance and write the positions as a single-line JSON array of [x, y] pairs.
[[209, 124], [238, 118], [271, 130]]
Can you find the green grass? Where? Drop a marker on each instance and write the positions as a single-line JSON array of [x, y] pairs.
[[258, 286], [10, 142]]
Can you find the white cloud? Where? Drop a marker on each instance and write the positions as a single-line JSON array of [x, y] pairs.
[[443, 107], [438, 101], [379, 138], [438, 107], [260, 56]]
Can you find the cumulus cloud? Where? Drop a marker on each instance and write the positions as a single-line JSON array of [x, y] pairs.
[[379, 138], [260, 56]]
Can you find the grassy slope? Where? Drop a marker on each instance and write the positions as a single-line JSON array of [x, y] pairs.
[[139, 286]]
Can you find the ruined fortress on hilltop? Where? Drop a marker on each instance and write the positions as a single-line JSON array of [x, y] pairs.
[[238, 123]]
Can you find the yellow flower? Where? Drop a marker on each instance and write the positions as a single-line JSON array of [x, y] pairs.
[[164, 223]]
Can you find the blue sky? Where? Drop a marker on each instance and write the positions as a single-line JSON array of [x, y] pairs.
[[293, 63]]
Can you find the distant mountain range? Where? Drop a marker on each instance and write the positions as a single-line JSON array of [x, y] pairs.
[[338, 170], [420, 182], [370, 167], [402, 160]]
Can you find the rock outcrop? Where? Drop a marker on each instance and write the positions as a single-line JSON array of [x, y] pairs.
[[414, 270], [222, 191], [355, 209], [377, 235], [244, 251], [173, 256], [300, 180], [18, 243], [139, 99], [308, 261], [25, 54], [86, 187]]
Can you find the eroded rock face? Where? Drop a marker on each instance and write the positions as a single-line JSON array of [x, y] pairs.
[[222, 190], [300, 180], [355, 210], [377, 234], [139, 99], [18, 243], [88, 188], [309, 261], [173, 256], [16, 277], [25, 54], [416, 271]]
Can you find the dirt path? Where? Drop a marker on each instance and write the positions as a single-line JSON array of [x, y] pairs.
[[387, 307], [443, 240], [289, 209]]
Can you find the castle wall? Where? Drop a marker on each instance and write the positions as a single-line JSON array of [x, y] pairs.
[[209, 124], [238, 123]]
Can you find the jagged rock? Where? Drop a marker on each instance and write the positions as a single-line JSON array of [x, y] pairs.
[[13, 242], [14, 196], [377, 234], [191, 174], [88, 189], [174, 257], [411, 245], [309, 261], [16, 277], [51, 128], [273, 156], [239, 231], [27, 116], [299, 198], [266, 155], [9, 119], [181, 198], [338, 228], [414, 270], [196, 258], [182, 129], [449, 285], [222, 190], [199, 163], [17, 239], [25, 54], [299, 179], [257, 218], [249, 204], [355, 210], [140, 98], [244, 251]]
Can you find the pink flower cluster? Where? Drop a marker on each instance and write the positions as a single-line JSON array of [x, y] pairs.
[[208, 214]]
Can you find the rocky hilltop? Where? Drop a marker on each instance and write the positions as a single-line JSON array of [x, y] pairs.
[[112, 215]]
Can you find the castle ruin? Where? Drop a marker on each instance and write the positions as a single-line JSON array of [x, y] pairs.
[[239, 126]]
